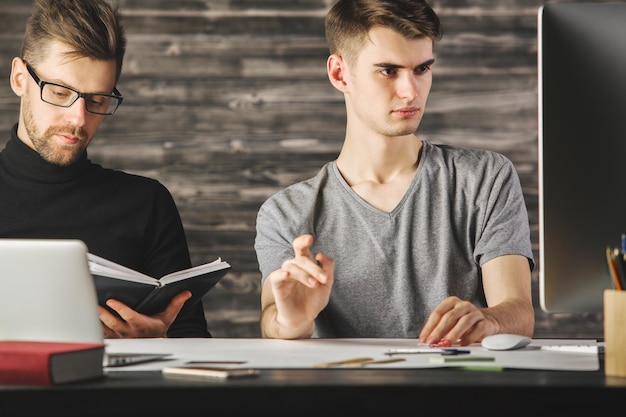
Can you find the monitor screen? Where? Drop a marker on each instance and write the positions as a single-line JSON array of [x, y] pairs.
[[582, 150]]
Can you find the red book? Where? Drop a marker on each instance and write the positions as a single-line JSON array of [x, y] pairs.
[[26, 362]]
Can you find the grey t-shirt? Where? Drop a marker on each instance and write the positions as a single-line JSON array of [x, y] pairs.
[[463, 208]]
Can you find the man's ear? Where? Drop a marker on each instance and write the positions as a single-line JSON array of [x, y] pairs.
[[19, 76], [337, 70]]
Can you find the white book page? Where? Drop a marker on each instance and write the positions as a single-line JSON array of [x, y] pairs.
[[101, 266], [216, 265]]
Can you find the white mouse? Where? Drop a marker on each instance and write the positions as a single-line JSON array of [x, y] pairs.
[[505, 341]]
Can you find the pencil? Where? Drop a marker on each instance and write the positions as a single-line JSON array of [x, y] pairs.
[[617, 260], [353, 361], [610, 260]]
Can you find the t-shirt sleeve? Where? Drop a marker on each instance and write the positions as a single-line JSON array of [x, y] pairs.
[[506, 228], [271, 244]]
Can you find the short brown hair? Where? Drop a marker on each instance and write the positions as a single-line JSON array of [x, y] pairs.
[[348, 22], [91, 28]]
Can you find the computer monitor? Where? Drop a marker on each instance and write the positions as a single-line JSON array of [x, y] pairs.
[[582, 150]]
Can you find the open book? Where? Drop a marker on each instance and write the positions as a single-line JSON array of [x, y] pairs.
[[148, 295]]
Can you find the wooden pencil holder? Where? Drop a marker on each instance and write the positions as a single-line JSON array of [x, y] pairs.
[[615, 333]]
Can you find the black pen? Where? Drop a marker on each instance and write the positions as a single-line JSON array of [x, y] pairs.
[[449, 352], [442, 351]]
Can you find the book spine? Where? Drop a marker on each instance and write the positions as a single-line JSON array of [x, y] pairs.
[[25, 369]]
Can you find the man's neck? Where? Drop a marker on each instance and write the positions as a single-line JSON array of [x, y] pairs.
[[379, 160], [380, 171]]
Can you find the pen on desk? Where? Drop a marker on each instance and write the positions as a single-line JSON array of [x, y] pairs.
[[453, 352], [443, 351], [573, 348], [352, 361], [412, 351], [468, 358], [375, 362]]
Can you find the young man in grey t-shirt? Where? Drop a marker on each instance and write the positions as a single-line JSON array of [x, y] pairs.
[[398, 237]]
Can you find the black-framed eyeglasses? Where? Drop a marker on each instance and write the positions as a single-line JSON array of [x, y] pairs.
[[62, 96]]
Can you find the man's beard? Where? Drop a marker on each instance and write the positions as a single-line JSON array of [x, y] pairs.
[[48, 148]]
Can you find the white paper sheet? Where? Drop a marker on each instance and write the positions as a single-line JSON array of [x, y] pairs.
[[299, 354]]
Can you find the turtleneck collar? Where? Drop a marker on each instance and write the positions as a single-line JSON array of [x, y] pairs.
[[25, 162]]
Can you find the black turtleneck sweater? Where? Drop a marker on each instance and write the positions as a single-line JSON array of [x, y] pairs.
[[129, 219]]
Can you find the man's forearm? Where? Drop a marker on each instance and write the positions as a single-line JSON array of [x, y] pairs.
[[515, 316]]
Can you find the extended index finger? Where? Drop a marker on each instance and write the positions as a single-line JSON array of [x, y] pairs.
[[302, 245]]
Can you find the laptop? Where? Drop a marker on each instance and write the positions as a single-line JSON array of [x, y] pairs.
[[47, 294]]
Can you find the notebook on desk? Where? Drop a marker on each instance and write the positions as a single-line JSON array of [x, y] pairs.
[[47, 294]]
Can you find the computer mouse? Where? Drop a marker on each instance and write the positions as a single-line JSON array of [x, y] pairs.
[[505, 341]]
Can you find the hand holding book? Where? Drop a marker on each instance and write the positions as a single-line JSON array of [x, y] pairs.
[[149, 295]]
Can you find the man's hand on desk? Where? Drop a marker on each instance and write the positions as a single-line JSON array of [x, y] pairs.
[[456, 320]]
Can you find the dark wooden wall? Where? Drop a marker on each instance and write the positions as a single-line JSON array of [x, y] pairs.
[[227, 101]]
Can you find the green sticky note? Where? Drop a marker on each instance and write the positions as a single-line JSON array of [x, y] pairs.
[[461, 358]]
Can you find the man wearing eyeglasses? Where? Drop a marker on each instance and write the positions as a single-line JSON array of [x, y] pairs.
[[66, 78]]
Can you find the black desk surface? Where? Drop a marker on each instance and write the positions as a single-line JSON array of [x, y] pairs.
[[351, 392]]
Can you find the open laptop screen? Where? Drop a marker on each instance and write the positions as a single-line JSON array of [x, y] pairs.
[[47, 292]]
